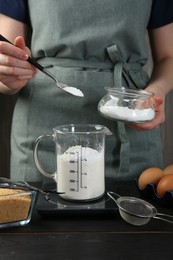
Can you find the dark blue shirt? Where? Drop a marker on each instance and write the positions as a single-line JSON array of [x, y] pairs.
[[161, 14], [17, 9]]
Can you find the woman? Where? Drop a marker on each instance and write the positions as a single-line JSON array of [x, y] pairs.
[[89, 46]]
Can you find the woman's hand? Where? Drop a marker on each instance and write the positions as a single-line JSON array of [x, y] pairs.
[[15, 71], [161, 82], [159, 107]]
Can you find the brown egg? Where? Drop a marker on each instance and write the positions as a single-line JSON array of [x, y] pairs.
[[150, 176], [168, 170], [165, 184]]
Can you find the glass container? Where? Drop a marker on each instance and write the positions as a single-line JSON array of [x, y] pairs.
[[16, 207], [127, 105]]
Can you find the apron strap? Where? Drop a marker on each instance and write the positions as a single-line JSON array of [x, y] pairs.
[[129, 74], [132, 76], [115, 57], [125, 144]]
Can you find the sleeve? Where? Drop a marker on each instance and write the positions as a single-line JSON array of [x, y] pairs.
[[161, 13], [16, 9]]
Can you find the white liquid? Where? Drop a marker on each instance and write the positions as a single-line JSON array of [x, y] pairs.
[[80, 173], [126, 114]]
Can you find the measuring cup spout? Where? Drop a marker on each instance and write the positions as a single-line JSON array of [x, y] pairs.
[[106, 131]]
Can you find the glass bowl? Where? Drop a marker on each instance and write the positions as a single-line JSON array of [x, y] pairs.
[[16, 207], [127, 105]]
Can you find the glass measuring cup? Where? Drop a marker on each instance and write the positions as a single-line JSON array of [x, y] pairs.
[[136, 211], [80, 154]]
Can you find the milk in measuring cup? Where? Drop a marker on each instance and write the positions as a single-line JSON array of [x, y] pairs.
[[81, 173]]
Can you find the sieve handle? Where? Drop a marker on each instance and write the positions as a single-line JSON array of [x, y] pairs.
[[166, 219], [112, 195]]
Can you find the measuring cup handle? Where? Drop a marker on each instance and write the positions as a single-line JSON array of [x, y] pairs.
[[36, 157]]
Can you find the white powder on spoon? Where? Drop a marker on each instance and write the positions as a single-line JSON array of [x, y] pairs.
[[74, 91]]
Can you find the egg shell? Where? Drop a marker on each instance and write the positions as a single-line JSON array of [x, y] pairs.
[[165, 184], [168, 170], [150, 176]]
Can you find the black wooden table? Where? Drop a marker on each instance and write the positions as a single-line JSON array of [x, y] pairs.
[[89, 236]]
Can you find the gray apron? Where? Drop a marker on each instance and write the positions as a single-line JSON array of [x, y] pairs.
[[89, 45]]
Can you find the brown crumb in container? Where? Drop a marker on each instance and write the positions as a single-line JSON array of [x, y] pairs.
[[14, 206]]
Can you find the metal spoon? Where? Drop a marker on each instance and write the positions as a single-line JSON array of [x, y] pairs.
[[73, 91], [8, 183]]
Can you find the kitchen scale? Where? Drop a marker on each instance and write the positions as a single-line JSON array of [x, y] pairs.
[[56, 206]]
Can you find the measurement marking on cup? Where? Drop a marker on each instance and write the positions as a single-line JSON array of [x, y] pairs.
[[82, 174], [72, 181], [72, 171], [72, 189], [74, 162], [77, 171]]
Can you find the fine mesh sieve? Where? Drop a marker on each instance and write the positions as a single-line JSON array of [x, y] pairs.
[[136, 211]]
